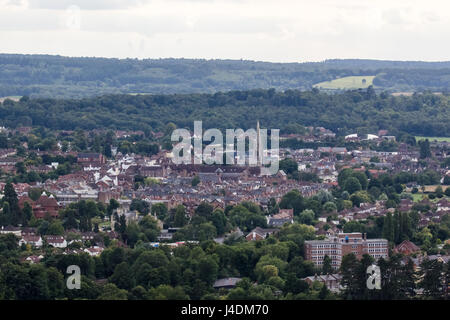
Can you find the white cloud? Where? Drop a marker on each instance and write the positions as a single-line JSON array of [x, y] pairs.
[[283, 30], [84, 4]]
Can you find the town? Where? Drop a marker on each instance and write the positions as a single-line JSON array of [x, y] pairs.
[[224, 159], [97, 197]]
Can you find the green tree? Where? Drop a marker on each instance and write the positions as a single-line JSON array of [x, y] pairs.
[[425, 151], [159, 210], [34, 193], [388, 227], [149, 226], [362, 178], [432, 278], [352, 185], [343, 176], [293, 200], [306, 216], [111, 292], [349, 281], [122, 276], [113, 205], [5, 215], [219, 220], [55, 282], [10, 196], [27, 213], [55, 228], [329, 207], [208, 269], [166, 292], [446, 180], [204, 210], [439, 192], [180, 219], [195, 181], [360, 197], [289, 166], [326, 266], [324, 292]]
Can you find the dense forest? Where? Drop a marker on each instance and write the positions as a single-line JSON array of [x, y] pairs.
[[362, 111], [57, 76]]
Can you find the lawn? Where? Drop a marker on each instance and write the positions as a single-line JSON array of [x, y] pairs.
[[354, 82], [447, 139], [417, 197]]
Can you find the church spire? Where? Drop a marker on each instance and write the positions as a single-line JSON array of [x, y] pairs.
[[258, 144]]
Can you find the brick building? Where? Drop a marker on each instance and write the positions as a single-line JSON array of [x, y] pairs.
[[95, 159], [43, 206], [407, 248], [342, 244]]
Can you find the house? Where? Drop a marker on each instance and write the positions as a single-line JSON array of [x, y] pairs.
[[42, 206], [167, 234], [339, 150], [28, 231], [332, 281], [407, 248], [93, 159], [440, 258], [279, 219], [34, 259], [226, 283], [94, 251], [46, 205], [11, 230], [152, 171], [35, 241], [88, 235], [56, 241], [259, 234]]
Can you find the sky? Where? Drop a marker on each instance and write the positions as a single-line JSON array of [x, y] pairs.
[[261, 30]]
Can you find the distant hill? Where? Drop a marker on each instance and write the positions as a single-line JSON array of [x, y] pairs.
[[57, 76]]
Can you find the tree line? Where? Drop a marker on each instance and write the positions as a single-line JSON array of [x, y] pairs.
[[361, 111]]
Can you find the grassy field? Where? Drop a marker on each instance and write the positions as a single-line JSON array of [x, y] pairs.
[[447, 139], [417, 197], [354, 82]]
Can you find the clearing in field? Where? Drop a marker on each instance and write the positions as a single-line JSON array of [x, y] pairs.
[[446, 139], [354, 82]]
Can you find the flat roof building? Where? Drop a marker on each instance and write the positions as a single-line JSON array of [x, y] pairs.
[[338, 246]]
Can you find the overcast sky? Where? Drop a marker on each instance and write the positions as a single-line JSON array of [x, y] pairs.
[[265, 30]]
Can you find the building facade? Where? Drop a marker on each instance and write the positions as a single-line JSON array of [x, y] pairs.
[[342, 244]]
